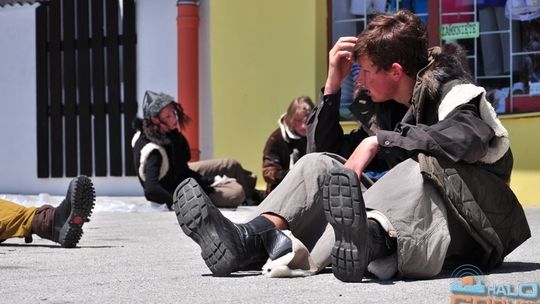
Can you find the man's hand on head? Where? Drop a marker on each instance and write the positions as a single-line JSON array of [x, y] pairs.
[[340, 61]]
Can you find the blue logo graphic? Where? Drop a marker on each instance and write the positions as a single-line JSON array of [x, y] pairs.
[[468, 280], [469, 287]]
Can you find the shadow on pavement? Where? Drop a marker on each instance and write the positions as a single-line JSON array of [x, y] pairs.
[[240, 274], [53, 246], [511, 267]]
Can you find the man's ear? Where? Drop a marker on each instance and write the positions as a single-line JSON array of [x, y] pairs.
[[397, 71]]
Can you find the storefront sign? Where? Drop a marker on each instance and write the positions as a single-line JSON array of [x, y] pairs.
[[453, 31]]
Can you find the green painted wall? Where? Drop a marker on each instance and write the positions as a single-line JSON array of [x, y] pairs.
[[524, 133], [263, 54]]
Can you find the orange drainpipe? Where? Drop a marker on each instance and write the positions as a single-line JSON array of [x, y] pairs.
[[188, 69]]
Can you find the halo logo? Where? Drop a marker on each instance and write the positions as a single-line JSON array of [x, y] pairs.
[[469, 280], [469, 288]]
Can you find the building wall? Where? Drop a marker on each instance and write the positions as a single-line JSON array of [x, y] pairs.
[[263, 54], [157, 70], [255, 57], [18, 160], [279, 44], [524, 133]]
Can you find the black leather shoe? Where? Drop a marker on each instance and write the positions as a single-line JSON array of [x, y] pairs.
[[345, 211], [226, 247], [71, 214]]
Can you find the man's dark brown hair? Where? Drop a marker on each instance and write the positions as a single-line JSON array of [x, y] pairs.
[[394, 38]]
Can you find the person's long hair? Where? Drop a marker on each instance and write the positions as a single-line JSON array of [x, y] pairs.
[[300, 103], [183, 118]]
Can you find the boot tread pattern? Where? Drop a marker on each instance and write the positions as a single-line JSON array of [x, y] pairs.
[[82, 203], [192, 211], [344, 209]]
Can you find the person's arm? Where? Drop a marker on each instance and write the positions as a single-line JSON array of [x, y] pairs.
[[324, 132], [461, 136], [339, 64], [153, 191], [362, 155], [274, 167]]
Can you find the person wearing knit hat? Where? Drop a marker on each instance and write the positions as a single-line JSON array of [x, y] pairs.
[[162, 154], [154, 102]]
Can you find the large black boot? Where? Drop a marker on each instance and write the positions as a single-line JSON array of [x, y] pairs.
[[63, 224], [345, 211], [226, 247], [71, 214], [358, 240]]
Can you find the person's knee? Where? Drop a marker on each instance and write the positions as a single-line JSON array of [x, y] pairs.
[[232, 195], [315, 159], [235, 199], [231, 162], [229, 201], [309, 158], [239, 197]]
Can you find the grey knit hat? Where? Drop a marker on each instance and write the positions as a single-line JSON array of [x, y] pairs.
[[153, 103]]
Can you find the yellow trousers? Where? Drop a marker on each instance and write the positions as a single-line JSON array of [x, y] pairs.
[[15, 220]]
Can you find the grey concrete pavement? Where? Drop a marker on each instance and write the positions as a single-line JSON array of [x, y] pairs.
[[145, 258]]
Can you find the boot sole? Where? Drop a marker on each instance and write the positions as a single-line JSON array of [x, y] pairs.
[[82, 202], [345, 210], [197, 217]]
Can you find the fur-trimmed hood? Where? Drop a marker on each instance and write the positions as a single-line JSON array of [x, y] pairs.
[[446, 64], [150, 131], [444, 84]]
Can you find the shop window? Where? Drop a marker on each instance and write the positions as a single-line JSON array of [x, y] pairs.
[[503, 56], [502, 39]]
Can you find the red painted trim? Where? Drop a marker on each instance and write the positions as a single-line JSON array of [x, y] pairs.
[[188, 71], [522, 104]]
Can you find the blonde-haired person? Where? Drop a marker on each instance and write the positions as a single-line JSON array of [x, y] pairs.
[[287, 143]]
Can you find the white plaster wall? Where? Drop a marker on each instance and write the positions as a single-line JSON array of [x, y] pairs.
[[206, 136], [157, 70], [156, 47], [18, 164]]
